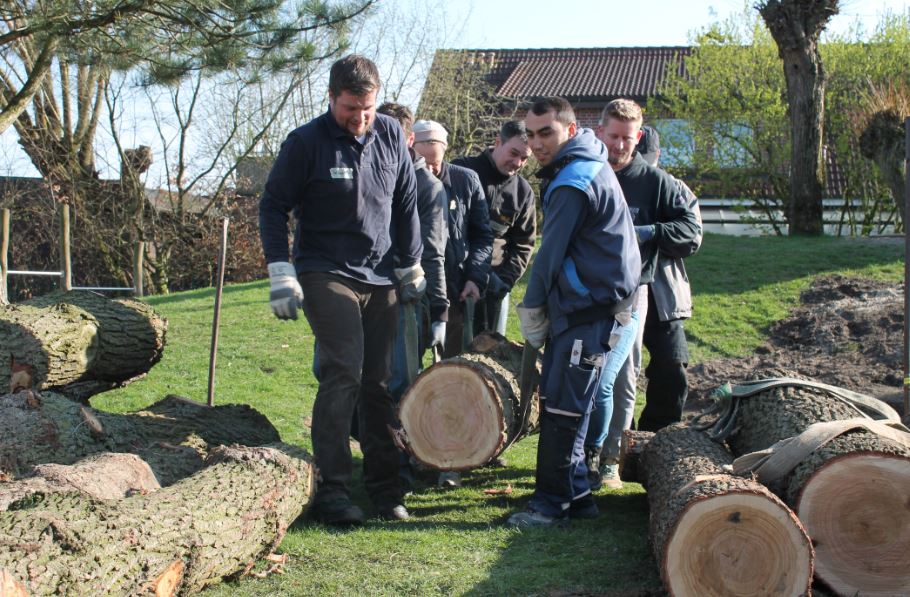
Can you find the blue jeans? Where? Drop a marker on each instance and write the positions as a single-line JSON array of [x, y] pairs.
[[599, 424]]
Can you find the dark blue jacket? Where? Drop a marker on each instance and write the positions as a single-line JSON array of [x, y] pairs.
[[588, 262], [470, 245], [355, 204]]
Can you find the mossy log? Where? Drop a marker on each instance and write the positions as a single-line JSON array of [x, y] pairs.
[[173, 435], [177, 540], [461, 413], [717, 534], [630, 448], [852, 493], [77, 343]]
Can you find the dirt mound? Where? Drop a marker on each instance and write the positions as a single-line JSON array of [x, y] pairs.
[[846, 332]]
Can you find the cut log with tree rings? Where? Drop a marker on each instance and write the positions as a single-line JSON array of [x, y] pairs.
[[462, 412]]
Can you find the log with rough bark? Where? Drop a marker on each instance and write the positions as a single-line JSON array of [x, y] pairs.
[[106, 476], [77, 343], [179, 539], [173, 435], [713, 533], [852, 493], [461, 413], [630, 449]]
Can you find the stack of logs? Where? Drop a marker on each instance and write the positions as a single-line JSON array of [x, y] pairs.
[[165, 500], [715, 533]]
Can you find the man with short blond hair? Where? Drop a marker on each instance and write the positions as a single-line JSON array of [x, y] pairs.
[[664, 222]]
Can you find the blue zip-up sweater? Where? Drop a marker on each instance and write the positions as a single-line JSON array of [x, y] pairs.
[[588, 257], [355, 204]]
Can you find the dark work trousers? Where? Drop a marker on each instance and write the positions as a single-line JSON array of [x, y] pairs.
[[668, 386], [354, 324], [566, 398]]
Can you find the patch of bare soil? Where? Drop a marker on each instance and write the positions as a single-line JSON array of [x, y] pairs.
[[846, 332]]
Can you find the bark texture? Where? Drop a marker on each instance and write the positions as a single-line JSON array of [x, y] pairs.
[[861, 521], [716, 534], [179, 539], [632, 445], [78, 343], [464, 411], [796, 26], [173, 435]]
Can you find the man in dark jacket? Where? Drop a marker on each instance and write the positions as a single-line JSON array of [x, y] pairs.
[[470, 243], [348, 179], [513, 217], [431, 209], [585, 275], [664, 222]]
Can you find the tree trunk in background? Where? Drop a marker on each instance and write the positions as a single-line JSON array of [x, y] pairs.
[[77, 343], [716, 534], [796, 26], [173, 436], [462, 412], [179, 539]]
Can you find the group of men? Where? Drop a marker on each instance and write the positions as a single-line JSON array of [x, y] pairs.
[[387, 230]]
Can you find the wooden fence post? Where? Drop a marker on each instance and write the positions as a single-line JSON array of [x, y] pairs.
[[66, 263], [138, 274], [4, 256]]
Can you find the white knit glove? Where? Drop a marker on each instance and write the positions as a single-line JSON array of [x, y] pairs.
[[285, 293], [411, 283], [534, 324], [438, 333]]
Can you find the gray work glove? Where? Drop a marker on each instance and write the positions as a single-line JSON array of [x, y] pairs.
[[411, 283], [438, 334], [534, 324], [285, 293]]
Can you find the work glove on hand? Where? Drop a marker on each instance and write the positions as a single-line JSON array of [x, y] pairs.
[[411, 283], [438, 334], [645, 233], [496, 288], [534, 324], [285, 293]]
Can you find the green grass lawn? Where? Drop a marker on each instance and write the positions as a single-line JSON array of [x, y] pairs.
[[455, 542]]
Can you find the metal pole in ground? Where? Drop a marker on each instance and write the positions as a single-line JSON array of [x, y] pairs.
[[217, 319], [4, 255], [906, 270]]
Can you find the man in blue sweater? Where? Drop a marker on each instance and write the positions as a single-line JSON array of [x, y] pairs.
[[349, 180], [585, 273]]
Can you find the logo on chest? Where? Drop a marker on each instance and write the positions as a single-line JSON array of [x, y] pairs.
[[342, 173]]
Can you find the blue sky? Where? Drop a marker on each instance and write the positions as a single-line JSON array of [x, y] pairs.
[[539, 24]]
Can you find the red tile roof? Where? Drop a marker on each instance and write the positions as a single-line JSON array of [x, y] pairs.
[[579, 74]]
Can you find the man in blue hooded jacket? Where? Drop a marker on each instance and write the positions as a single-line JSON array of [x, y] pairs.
[[585, 274]]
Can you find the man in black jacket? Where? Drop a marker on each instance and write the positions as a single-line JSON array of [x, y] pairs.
[[470, 243], [513, 218], [664, 222]]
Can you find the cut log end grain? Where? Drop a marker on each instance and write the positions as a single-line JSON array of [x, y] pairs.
[[737, 544], [453, 419], [168, 582], [10, 587], [858, 509]]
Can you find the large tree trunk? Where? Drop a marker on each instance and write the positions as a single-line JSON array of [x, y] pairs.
[[173, 435], [851, 493], [796, 26], [716, 534], [179, 539], [463, 412], [77, 343]]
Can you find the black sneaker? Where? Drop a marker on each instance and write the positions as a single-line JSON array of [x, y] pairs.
[[338, 512], [392, 512], [584, 508]]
